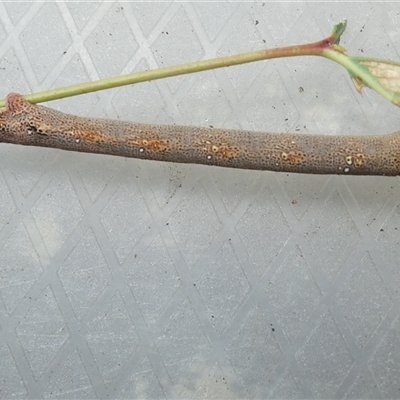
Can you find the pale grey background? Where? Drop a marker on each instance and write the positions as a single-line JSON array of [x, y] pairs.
[[124, 278]]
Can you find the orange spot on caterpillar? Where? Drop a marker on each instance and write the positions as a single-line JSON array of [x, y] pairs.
[[224, 150], [294, 157], [155, 144]]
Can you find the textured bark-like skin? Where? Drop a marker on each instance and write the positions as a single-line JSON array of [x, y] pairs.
[[27, 124]]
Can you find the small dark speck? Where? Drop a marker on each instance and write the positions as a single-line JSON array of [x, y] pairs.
[[301, 89], [135, 255], [256, 22], [273, 329], [381, 230]]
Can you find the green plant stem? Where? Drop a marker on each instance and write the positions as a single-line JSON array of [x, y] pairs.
[[363, 74], [166, 72], [310, 49]]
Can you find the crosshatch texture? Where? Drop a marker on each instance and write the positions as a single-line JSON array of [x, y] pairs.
[[132, 279]]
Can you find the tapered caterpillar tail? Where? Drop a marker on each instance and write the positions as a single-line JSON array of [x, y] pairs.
[[33, 125]]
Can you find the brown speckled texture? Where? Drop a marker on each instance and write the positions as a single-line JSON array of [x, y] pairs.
[[27, 124]]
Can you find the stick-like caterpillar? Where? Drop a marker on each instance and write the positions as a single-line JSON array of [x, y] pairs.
[[28, 124]]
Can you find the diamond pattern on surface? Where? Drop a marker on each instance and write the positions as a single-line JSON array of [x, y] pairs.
[[8, 206], [282, 18], [142, 384], [372, 199], [16, 11], [14, 73], [275, 104], [148, 14], [232, 188], [254, 352], [286, 388], [362, 389], [75, 67], [243, 37], [57, 213], [155, 262], [42, 332], [203, 231], [27, 160], [84, 274], [70, 376], [385, 363], [17, 274], [42, 33], [124, 217], [175, 45], [364, 300], [128, 279], [268, 237], [388, 241], [166, 184], [302, 293], [215, 386], [112, 338], [82, 12], [336, 121], [118, 43], [94, 177], [181, 346], [12, 385], [339, 239], [2, 34], [302, 194], [215, 18], [147, 102], [201, 99], [324, 358], [223, 275]]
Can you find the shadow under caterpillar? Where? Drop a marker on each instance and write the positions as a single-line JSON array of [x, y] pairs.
[[34, 125]]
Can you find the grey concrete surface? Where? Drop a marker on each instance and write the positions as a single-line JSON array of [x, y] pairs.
[[132, 279]]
